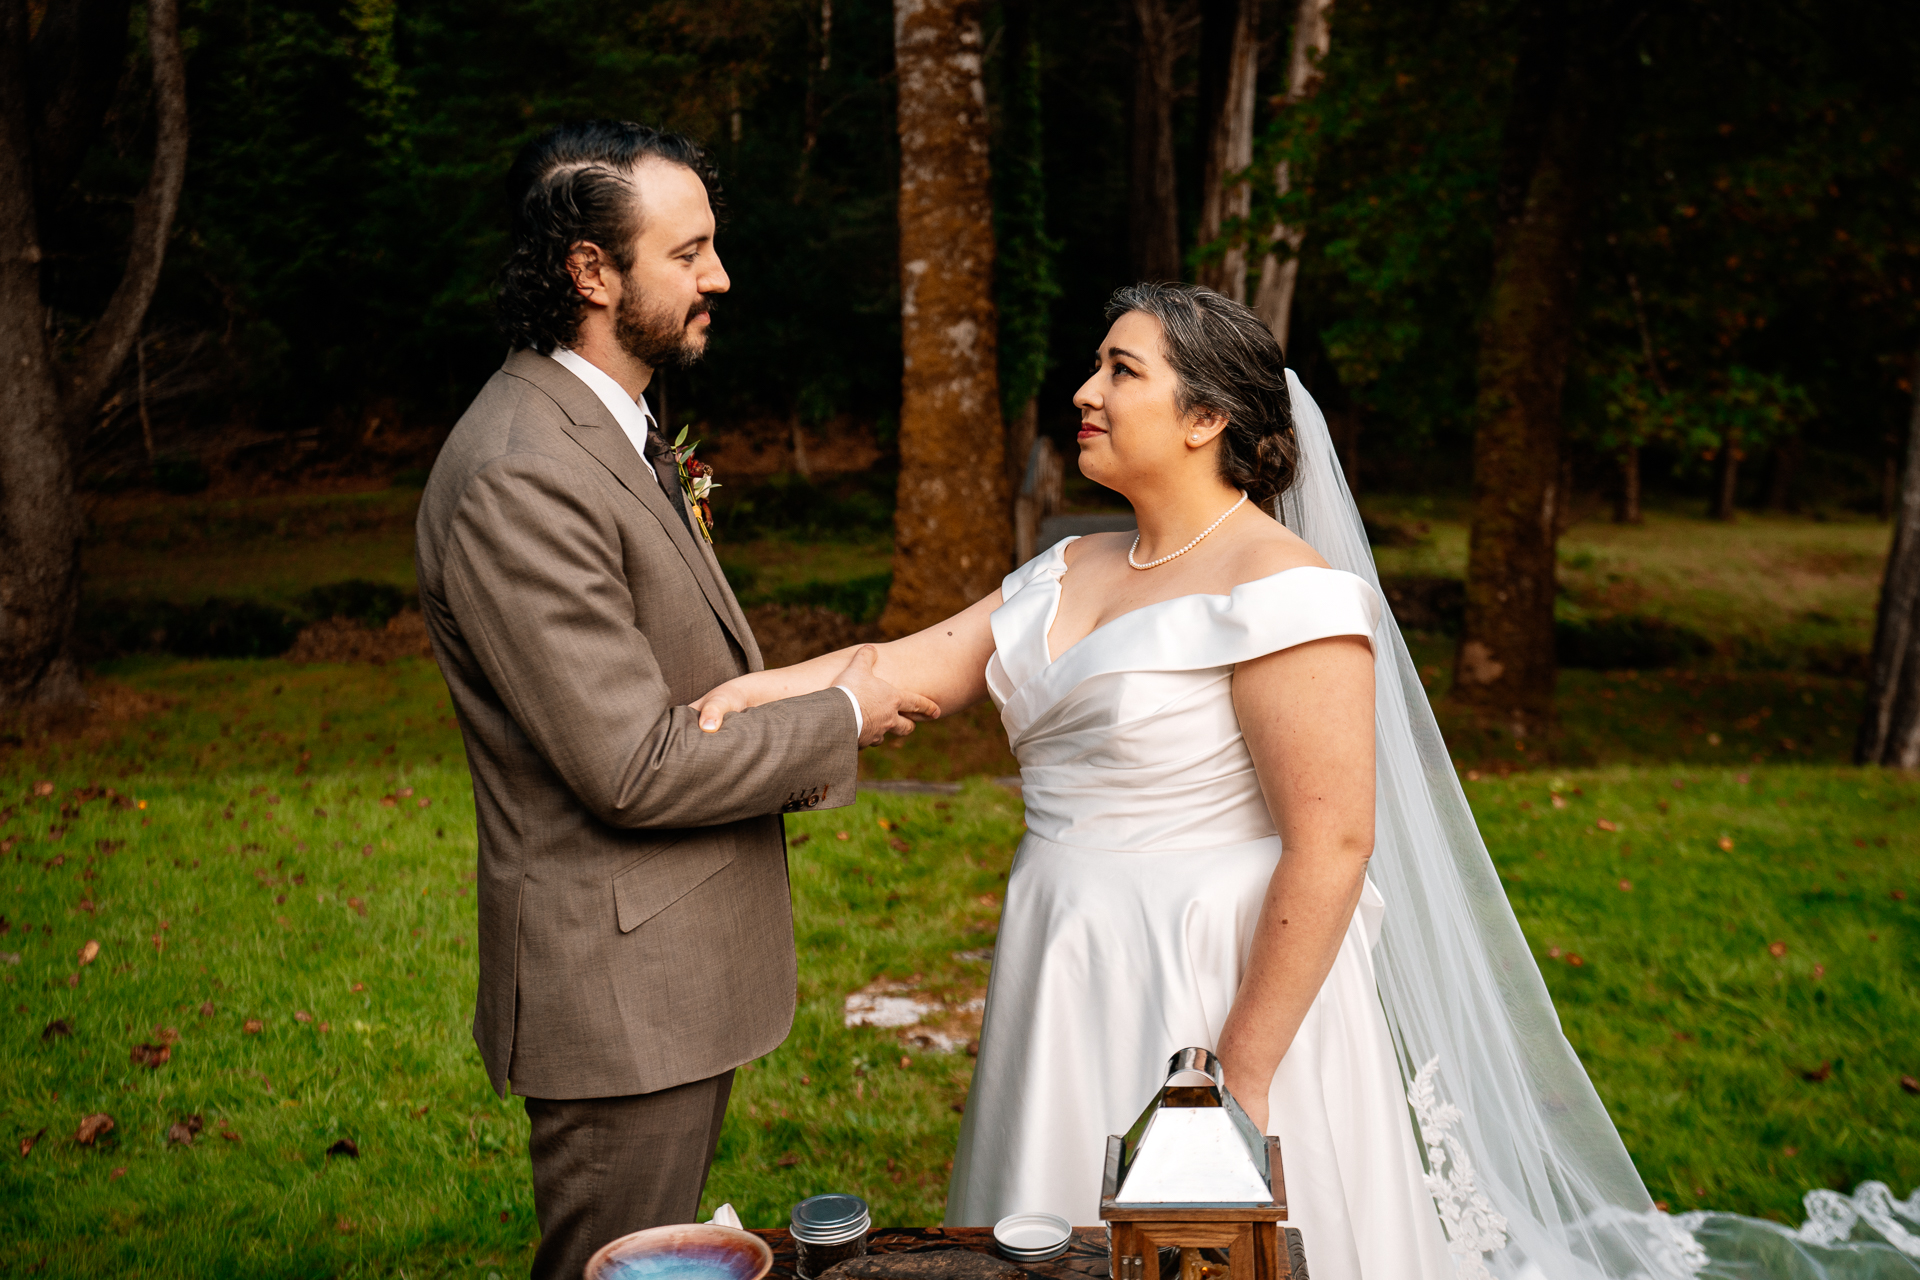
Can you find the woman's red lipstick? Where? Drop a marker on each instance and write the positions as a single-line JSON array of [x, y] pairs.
[[1088, 431]]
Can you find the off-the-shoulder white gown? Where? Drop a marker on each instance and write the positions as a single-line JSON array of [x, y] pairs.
[[1130, 913]]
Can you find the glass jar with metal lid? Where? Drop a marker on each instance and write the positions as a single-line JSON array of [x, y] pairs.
[[828, 1230]]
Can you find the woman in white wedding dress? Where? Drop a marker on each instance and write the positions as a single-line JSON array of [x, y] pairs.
[[1244, 833]]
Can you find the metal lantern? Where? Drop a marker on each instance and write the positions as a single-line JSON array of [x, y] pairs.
[[1194, 1174]]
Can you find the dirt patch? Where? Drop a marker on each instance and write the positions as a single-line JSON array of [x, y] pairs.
[[790, 633], [344, 640]]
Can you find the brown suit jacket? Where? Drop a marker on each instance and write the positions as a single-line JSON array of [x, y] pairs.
[[635, 926]]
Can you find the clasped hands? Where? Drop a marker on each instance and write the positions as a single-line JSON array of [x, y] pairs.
[[884, 709]]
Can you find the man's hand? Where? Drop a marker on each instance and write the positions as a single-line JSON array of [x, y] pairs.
[[883, 708]]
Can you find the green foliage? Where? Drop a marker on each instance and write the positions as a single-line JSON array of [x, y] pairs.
[[1024, 284], [1740, 233]]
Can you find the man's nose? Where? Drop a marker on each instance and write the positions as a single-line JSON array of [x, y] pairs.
[[714, 278]]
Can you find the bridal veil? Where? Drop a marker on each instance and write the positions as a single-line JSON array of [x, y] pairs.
[[1529, 1174]]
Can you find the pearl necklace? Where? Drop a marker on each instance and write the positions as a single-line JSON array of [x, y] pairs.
[[1190, 546]]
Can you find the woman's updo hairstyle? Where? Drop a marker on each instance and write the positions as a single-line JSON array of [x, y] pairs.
[[1227, 362]]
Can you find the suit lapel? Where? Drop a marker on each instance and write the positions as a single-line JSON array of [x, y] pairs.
[[592, 426]]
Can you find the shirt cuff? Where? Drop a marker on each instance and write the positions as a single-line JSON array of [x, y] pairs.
[[859, 721]]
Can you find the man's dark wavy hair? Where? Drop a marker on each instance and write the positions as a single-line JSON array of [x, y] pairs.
[[574, 183]]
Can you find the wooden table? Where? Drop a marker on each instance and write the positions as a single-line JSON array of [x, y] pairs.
[[1085, 1258]]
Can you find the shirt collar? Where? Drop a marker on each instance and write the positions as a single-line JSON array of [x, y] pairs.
[[634, 417]]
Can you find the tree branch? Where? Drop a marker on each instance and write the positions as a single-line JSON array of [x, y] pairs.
[[106, 349]]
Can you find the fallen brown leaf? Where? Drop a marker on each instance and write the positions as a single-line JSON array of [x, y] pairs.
[[166, 1035], [1818, 1074], [358, 986], [91, 1127], [185, 1131], [252, 1026], [26, 1144], [1910, 1084], [357, 905], [1604, 825], [88, 952], [207, 1010], [150, 1056], [900, 846], [57, 1028], [344, 1147], [301, 1015], [799, 840], [787, 1161], [121, 1172], [1776, 949], [229, 1134]]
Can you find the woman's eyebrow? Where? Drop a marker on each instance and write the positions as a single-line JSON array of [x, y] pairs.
[[1122, 351]]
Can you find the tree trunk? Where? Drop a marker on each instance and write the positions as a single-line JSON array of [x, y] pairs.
[[1153, 206], [952, 540], [39, 524], [1726, 478], [1787, 459], [1229, 61], [1505, 668], [1890, 729], [39, 520], [1273, 299], [1626, 502]]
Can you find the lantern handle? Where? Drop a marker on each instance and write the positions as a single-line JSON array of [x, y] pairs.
[[1202, 1061]]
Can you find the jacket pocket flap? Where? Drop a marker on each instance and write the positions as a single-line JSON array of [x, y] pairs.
[[661, 879]]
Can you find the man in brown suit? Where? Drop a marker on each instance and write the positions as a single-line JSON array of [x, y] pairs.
[[636, 933]]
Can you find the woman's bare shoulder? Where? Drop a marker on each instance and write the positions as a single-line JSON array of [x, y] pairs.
[[1097, 545], [1269, 547]]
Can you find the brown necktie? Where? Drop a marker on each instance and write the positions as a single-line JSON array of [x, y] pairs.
[[666, 471]]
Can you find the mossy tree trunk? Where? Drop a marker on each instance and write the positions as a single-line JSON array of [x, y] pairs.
[[953, 541], [1890, 729], [1506, 669]]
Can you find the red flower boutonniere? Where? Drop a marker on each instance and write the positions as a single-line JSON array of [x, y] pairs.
[[696, 481]]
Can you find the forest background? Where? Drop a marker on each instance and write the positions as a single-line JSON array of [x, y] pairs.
[[324, 307]]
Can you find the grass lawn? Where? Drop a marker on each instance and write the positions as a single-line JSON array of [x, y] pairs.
[[1733, 956], [281, 868]]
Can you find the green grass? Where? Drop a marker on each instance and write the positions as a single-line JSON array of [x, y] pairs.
[[1696, 1035], [1769, 591], [271, 548], [1745, 996]]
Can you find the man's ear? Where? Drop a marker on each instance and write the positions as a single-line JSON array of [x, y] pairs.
[[589, 268]]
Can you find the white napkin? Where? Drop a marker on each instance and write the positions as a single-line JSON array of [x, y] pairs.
[[724, 1216]]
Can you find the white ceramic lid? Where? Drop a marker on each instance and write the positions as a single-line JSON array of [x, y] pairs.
[[1032, 1232]]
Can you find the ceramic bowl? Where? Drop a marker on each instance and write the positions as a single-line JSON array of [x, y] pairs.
[[1032, 1237], [694, 1251]]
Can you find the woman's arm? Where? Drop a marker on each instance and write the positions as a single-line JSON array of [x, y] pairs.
[[1307, 713], [946, 663]]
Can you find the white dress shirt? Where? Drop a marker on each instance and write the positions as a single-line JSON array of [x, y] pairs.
[[636, 419]]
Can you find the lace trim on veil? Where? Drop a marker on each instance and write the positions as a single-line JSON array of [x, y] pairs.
[[1474, 1227]]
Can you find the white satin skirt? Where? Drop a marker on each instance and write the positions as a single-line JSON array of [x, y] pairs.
[[1108, 963]]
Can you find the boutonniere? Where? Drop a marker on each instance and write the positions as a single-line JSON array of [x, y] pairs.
[[696, 481]]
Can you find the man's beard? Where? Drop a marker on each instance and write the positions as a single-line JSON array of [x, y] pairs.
[[657, 337]]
